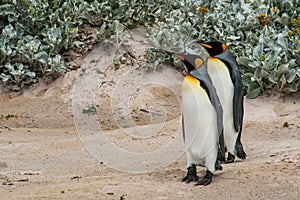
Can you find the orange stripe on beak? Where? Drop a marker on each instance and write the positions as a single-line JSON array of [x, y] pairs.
[[179, 57], [206, 45]]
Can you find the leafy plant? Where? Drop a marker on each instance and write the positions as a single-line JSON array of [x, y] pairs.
[[34, 33], [263, 36], [18, 74]]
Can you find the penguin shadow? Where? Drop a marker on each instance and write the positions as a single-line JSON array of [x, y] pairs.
[[232, 163], [174, 175]]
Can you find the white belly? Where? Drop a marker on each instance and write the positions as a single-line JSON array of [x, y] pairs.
[[200, 125], [221, 79]]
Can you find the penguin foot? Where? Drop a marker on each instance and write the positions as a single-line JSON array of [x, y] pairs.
[[191, 175], [221, 157], [218, 165], [206, 179], [230, 158], [240, 152]]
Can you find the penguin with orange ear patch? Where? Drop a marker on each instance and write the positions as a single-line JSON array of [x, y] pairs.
[[202, 119], [225, 75]]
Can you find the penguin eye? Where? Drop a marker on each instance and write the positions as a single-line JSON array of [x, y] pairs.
[[198, 62]]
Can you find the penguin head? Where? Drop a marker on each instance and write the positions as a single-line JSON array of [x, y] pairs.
[[191, 62], [214, 48]]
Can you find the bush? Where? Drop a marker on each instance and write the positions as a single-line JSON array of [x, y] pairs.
[[34, 34], [263, 35]]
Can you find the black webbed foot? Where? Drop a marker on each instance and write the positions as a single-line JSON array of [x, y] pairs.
[[218, 165], [230, 158], [240, 151], [191, 175], [206, 179], [221, 157]]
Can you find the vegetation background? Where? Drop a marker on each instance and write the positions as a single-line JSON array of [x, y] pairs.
[[43, 156], [39, 37]]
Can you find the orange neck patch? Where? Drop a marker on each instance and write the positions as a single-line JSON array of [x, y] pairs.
[[198, 62]]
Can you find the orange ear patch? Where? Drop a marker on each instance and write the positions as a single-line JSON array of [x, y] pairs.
[[198, 62], [224, 47], [206, 45], [179, 57]]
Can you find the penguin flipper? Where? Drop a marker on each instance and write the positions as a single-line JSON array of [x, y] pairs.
[[205, 81], [238, 114], [238, 103], [183, 132], [238, 97]]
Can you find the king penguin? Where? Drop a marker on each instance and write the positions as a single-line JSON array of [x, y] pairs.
[[202, 120], [225, 75]]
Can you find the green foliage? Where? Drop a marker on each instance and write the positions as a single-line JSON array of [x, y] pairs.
[[263, 35], [33, 34]]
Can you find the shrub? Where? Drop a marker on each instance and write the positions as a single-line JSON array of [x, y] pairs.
[[263, 35], [34, 34]]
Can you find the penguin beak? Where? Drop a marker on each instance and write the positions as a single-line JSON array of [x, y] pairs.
[[179, 57], [206, 45]]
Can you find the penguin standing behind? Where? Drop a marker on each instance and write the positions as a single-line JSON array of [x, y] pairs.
[[202, 119], [225, 75]]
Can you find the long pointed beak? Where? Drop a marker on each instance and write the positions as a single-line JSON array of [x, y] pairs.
[[180, 57], [170, 53], [206, 45]]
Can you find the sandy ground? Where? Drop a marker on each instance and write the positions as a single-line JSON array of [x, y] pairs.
[[44, 156]]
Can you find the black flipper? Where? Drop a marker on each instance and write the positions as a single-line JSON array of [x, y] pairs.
[[191, 175], [238, 97], [183, 133], [206, 179], [202, 75]]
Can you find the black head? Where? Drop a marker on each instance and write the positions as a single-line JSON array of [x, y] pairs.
[[191, 62], [214, 48]]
